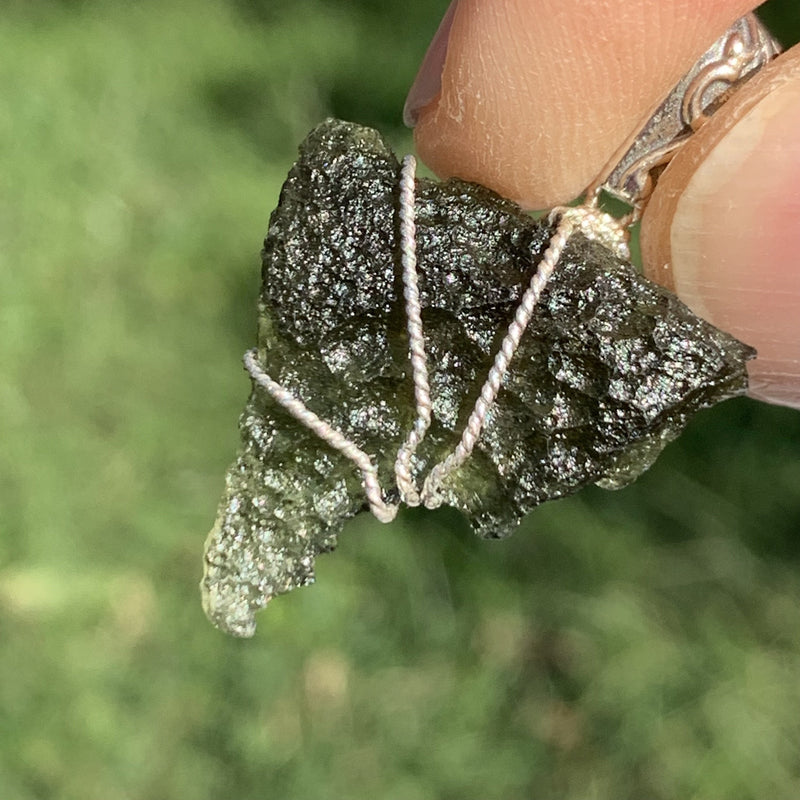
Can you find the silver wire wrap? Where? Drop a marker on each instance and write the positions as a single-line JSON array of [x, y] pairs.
[[305, 416], [409, 493], [588, 220], [431, 491], [593, 224], [406, 485]]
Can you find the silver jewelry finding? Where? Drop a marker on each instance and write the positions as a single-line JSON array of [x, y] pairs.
[[732, 60]]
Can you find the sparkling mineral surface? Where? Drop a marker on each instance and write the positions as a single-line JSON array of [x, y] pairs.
[[610, 369]]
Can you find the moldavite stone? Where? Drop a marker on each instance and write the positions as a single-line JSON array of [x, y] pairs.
[[610, 369]]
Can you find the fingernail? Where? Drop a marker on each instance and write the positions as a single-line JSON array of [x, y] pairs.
[[428, 82], [735, 240]]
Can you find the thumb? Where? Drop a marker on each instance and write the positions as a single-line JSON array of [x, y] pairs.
[[723, 225]]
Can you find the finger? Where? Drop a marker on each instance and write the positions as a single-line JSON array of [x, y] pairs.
[[723, 225], [533, 97]]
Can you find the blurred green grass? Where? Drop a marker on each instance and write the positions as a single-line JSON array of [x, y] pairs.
[[644, 644]]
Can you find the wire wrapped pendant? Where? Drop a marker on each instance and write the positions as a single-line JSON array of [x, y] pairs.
[[427, 358]]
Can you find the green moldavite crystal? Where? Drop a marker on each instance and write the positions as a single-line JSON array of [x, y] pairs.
[[610, 369]]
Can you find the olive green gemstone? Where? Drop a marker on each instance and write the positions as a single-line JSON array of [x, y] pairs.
[[610, 369]]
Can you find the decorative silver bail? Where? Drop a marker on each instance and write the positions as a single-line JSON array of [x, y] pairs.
[[732, 60]]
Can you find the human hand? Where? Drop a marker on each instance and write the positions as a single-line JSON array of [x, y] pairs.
[[533, 97]]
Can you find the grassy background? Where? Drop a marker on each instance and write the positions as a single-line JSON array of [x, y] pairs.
[[643, 644]]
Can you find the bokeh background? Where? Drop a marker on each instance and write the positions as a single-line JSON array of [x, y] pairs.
[[640, 644]]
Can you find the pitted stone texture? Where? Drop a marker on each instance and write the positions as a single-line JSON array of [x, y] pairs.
[[610, 369]]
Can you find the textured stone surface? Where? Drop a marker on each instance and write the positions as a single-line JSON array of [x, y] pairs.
[[610, 369]]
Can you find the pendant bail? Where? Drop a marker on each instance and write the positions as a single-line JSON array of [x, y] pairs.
[[733, 59]]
